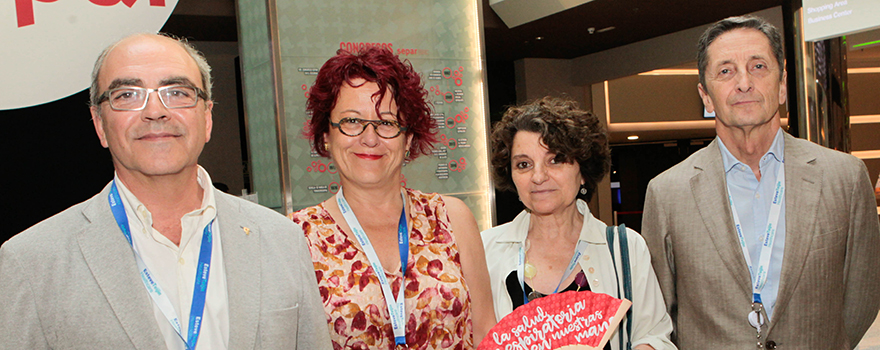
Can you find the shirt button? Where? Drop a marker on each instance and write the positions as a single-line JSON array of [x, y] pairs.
[[595, 281], [757, 195], [586, 257], [181, 261], [591, 270]]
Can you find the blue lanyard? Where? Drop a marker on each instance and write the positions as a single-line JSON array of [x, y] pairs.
[[759, 276], [200, 288], [396, 307], [579, 250]]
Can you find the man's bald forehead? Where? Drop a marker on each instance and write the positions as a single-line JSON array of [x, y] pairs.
[[204, 69]]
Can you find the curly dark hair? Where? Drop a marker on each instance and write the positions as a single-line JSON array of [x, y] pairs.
[[569, 132], [380, 66]]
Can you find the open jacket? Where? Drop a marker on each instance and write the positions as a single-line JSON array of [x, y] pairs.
[[829, 290], [71, 281]]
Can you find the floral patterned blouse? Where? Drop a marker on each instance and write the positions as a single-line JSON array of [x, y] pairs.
[[437, 298]]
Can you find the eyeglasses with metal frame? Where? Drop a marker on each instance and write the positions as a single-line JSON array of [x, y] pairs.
[[133, 98], [386, 129]]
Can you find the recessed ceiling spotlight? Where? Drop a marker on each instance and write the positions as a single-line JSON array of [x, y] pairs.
[[632, 137], [539, 38], [603, 30]]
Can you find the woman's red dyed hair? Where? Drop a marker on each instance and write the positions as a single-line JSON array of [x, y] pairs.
[[392, 75]]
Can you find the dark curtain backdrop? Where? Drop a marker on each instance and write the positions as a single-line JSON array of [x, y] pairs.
[[52, 159]]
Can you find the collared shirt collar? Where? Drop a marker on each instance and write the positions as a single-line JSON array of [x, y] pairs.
[[135, 207], [520, 227], [777, 151]]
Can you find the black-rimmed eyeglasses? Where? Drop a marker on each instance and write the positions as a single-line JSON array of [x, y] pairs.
[[386, 129], [131, 98]]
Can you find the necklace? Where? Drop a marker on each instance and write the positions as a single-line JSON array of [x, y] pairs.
[[530, 271]]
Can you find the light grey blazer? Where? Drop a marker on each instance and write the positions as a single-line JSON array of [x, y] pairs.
[[829, 291], [71, 282]]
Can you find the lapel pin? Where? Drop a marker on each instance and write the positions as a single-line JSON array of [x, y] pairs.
[[247, 231]]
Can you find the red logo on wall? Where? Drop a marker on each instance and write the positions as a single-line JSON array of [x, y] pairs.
[[24, 9], [56, 43]]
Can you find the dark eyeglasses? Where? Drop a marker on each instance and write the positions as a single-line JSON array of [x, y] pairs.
[[386, 129]]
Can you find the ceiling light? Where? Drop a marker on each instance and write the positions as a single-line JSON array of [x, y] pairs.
[[671, 71], [864, 119], [866, 70], [539, 38], [603, 30], [632, 137]]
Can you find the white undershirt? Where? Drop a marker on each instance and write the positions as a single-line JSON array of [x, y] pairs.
[[175, 267]]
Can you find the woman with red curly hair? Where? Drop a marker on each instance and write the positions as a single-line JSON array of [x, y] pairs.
[[396, 267]]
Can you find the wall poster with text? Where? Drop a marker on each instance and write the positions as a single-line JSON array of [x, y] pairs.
[[442, 41]]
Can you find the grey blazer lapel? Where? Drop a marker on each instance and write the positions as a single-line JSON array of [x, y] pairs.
[[240, 238], [803, 184], [110, 258], [710, 193]]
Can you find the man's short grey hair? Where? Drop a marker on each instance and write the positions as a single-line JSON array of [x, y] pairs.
[[201, 62], [731, 23]]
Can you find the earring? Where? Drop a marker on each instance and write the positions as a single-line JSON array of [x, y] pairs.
[[327, 146], [407, 154], [583, 190]]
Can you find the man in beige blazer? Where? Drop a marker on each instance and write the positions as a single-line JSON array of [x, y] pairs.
[[819, 287], [159, 259]]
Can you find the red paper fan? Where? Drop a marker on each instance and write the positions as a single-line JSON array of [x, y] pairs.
[[586, 319]]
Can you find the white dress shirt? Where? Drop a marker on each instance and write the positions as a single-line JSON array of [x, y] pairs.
[[175, 267]]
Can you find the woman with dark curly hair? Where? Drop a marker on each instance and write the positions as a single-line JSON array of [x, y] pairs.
[[549, 151], [396, 267]]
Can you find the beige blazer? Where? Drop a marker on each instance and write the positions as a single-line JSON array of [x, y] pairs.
[[829, 291], [71, 282]]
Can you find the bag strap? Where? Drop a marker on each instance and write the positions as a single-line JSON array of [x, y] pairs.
[[609, 237], [627, 281], [627, 276]]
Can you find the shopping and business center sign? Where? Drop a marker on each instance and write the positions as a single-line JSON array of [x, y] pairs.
[[50, 46]]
